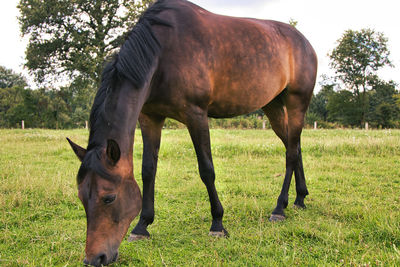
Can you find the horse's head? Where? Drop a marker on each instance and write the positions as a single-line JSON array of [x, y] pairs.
[[111, 198]]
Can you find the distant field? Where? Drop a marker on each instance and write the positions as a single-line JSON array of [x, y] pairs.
[[353, 214]]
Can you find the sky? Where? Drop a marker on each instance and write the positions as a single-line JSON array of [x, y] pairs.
[[322, 22]]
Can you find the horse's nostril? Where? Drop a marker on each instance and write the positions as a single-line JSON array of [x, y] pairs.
[[100, 259], [103, 259]]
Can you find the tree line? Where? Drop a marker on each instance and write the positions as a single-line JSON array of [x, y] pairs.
[[70, 40], [61, 108], [356, 94], [333, 107]]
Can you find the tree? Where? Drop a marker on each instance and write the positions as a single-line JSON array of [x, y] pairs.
[[69, 42], [343, 107], [383, 109], [318, 106], [38, 108], [293, 22], [358, 56], [397, 100], [10, 97], [11, 86], [71, 38], [9, 78]]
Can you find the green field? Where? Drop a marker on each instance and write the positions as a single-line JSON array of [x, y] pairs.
[[353, 214]]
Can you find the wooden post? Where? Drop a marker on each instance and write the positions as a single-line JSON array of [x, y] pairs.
[[86, 124], [264, 125], [315, 125], [366, 126], [22, 124]]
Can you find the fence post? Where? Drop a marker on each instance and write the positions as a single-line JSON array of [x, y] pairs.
[[22, 124], [315, 125], [264, 125], [86, 124], [366, 126]]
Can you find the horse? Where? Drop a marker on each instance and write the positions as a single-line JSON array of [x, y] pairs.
[[182, 62]]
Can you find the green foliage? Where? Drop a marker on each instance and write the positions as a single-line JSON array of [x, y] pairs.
[[11, 96], [38, 108], [318, 105], [10, 104], [73, 37], [384, 112], [352, 217], [9, 78], [356, 60], [293, 22], [69, 41], [357, 57], [344, 107], [241, 122], [42, 108]]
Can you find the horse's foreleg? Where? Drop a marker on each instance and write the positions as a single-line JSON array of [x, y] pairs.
[[151, 133], [199, 132]]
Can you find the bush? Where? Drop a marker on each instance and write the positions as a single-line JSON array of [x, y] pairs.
[[173, 124], [242, 122]]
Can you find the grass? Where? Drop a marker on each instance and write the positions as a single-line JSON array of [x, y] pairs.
[[353, 214]]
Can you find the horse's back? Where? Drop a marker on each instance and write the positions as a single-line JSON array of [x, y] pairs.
[[231, 65]]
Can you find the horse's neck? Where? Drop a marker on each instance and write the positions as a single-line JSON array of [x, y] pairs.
[[124, 115]]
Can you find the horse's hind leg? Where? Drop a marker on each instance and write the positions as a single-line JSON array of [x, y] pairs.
[[301, 187], [296, 106], [277, 115], [286, 115], [197, 124], [151, 133]]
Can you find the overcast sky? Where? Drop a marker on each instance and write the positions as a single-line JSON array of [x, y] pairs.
[[322, 22]]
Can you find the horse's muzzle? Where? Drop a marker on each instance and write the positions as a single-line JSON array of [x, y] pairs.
[[101, 259]]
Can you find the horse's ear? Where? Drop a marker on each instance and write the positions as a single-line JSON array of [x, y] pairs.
[[80, 152], [113, 152]]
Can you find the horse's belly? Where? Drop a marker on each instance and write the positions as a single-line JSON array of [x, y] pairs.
[[245, 83], [235, 98], [228, 112], [231, 107]]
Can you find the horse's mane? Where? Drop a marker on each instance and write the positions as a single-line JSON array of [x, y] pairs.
[[134, 62], [141, 48]]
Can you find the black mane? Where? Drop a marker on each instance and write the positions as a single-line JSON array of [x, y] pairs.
[[134, 62], [141, 48]]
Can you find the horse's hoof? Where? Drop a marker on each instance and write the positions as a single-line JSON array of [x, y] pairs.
[[301, 207], [134, 237], [222, 233], [277, 218]]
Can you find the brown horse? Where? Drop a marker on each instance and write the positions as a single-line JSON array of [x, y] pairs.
[[183, 62]]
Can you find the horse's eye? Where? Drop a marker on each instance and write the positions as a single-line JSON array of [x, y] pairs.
[[109, 199]]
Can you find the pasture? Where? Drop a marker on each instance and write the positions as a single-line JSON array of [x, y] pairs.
[[353, 214]]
